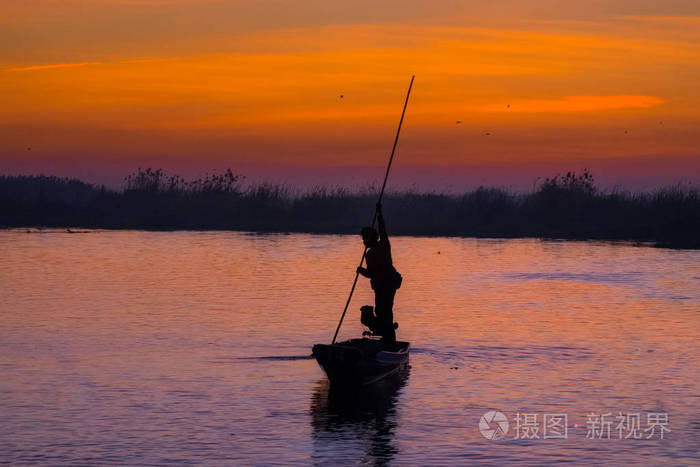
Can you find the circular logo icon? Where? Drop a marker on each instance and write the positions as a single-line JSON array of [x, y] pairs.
[[493, 425]]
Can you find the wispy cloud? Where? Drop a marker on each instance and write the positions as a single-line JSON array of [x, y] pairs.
[[687, 20], [54, 65], [571, 104]]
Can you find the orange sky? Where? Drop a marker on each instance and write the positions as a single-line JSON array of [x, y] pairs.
[[97, 88]]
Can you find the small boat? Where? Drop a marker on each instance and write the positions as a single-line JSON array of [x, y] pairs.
[[365, 360], [360, 361]]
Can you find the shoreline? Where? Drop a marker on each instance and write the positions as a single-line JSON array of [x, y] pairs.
[[67, 229], [564, 207]]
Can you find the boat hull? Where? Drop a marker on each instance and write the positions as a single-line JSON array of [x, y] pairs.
[[359, 361]]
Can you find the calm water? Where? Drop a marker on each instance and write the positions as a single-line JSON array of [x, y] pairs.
[[192, 347]]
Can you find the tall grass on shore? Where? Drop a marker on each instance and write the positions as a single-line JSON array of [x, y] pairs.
[[565, 206]]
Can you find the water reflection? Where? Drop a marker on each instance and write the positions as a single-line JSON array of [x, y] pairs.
[[148, 345], [356, 425]]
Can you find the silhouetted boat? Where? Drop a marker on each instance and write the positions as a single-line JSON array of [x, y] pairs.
[[360, 361]]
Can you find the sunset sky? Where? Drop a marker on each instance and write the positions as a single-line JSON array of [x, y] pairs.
[[94, 89]]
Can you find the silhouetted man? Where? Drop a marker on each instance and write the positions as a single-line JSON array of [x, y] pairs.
[[384, 278]]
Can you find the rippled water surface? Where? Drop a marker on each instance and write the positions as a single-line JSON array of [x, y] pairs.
[[193, 347]]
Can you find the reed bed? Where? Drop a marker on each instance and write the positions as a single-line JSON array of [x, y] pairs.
[[568, 206]]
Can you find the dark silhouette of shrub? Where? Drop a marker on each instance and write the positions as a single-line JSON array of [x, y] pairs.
[[568, 206]]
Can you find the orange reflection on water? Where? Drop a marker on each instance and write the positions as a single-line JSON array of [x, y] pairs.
[[188, 335]]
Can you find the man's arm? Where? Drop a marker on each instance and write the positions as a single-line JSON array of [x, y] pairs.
[[382, 226], [363, 271]]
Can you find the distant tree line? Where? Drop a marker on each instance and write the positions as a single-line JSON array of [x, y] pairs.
[[565, 206]]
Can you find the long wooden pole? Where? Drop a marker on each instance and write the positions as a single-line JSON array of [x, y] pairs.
[[374, 219]]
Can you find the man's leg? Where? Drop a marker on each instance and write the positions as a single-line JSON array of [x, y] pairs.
[[384, 303]]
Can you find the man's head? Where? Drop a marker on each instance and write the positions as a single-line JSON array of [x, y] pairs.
[[369, 236]]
